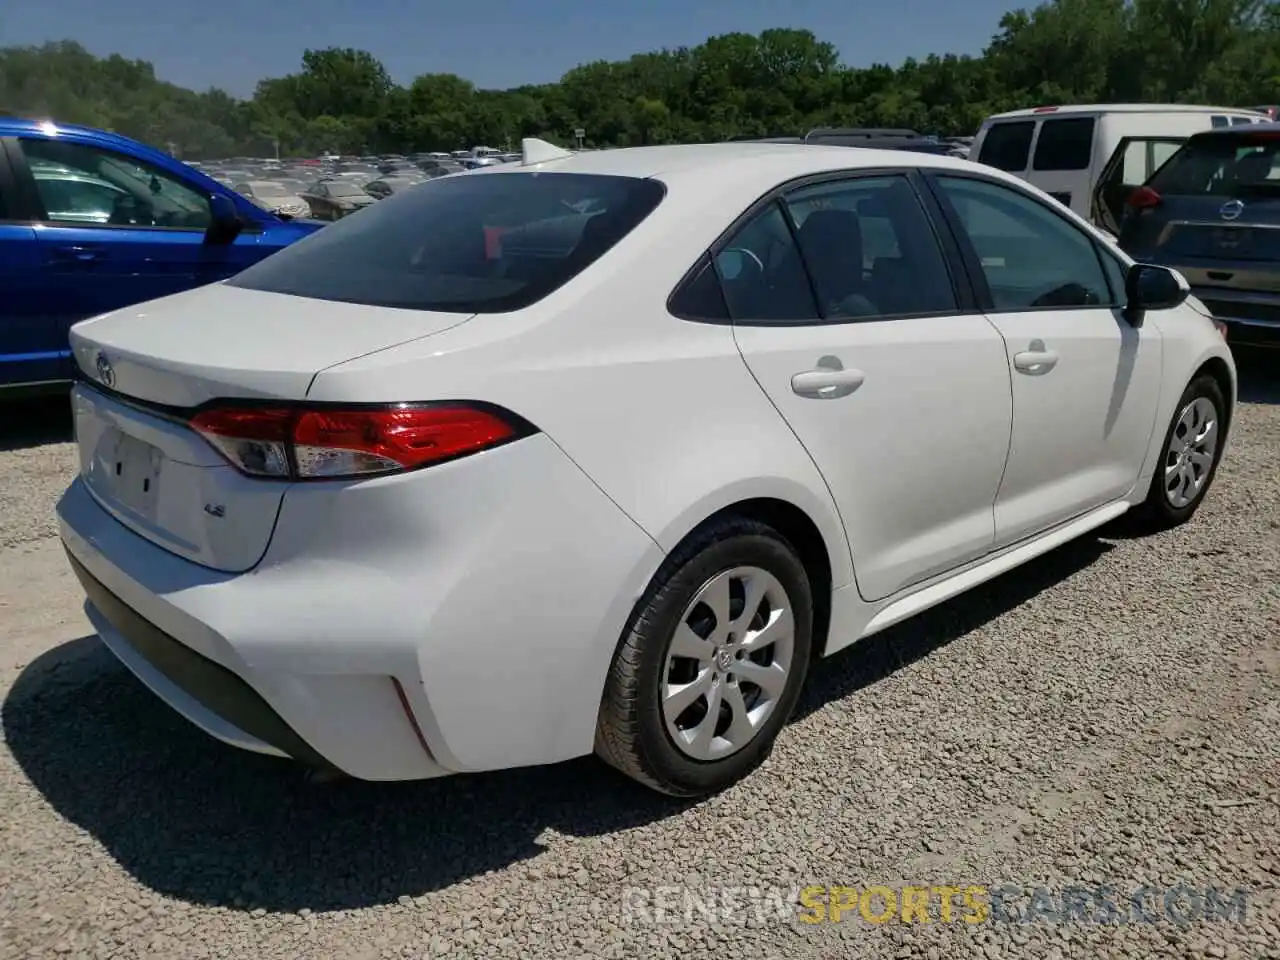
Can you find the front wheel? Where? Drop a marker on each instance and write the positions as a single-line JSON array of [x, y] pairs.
[[712, 662], [1190, 455]]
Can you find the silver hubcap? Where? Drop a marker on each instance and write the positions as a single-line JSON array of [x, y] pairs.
[[1189, 458], [728, 663]]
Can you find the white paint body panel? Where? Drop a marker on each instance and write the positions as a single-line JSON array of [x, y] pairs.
[[495, 588], [914, 455], [1081, 430]]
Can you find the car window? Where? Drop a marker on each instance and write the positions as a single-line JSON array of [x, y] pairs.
[[1031, 257], [70, 199], [483, 244], [147, 196], [1216, 121], [1007, 145], [762, 273], [1064, 144], [1239, 164], [870, 249], [1159, 153]]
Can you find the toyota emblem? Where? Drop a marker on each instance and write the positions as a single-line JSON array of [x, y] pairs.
[[1231, 210], [106, 373]]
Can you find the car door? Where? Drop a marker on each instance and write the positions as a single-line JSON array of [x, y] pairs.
[[150, 244], [847, 314], [1130, 165], [28, 341], [1086, 382]]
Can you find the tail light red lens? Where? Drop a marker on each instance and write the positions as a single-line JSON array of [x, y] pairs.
[[1143, 198], [328, 443]]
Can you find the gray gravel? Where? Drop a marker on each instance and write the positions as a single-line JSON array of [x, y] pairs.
[[1108, 714]]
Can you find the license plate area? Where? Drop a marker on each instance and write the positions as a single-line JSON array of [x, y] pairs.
[[128, 473], [1231, 239]]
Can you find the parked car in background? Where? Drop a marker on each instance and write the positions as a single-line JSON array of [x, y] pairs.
[[697, 415], [433, 167], [1081, 154], [384, 187], [333, 199], [92, 221], [281, 197], [1213, 212]]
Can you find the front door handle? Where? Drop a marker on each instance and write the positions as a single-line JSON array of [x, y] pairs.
[[826, 383], [1036, 361], [75, 253]]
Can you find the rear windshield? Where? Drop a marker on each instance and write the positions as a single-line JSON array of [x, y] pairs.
[[479, 243], [1007, 144], [1242, 165]]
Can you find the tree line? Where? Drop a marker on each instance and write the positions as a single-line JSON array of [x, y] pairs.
[[782, 82]]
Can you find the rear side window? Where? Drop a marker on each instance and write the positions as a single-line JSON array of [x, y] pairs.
[[1007, 145], [1222, 165], [483, 243], [1065, 144]]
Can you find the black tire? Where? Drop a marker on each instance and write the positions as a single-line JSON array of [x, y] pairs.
[[631, 734], [1157, 512]]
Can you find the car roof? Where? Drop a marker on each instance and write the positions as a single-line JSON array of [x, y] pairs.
[[1050, 110], [1241, 130], [750, 164]]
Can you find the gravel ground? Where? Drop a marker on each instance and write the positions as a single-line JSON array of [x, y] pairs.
[[1108, 714]]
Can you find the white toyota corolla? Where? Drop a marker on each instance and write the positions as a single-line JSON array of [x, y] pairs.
[[600, 451]]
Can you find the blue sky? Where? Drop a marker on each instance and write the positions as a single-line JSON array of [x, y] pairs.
[[494, 43]]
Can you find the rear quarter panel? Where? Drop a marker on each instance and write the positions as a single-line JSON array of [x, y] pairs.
[[660, 412]]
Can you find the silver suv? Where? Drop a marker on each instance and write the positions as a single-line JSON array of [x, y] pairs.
[[1212, 211]]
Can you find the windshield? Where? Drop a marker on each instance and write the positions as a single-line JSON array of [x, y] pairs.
[[1222, 166], [485, 243]]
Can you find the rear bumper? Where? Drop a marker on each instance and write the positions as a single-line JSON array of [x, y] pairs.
[[205, 692], [455, 619], [1250, 319]]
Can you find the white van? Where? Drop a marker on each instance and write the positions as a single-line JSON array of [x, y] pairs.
[[1090, 157]]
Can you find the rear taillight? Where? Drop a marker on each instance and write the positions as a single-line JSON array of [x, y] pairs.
[[1143, 198], [333, 442]]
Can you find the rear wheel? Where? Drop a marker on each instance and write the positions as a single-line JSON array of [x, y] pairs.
[[712, 663], [1190, 454]]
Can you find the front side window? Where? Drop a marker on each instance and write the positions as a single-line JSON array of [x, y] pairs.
[[144, 196], [1007, 145], [1031, 257], [71, 199], [870, 249], [483, 244], [1065, 144]]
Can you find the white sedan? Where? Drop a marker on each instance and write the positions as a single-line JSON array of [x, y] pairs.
[[599, 452]]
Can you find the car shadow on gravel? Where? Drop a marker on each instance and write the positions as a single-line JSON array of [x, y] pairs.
[[881, 654], [1259, 373], [192, 819], [34, 423]]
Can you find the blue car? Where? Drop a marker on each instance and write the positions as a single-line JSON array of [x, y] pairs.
[[91, 221]]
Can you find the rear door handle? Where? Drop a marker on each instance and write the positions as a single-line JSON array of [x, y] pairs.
[[1035, 362], [77, 253], [826, 383]]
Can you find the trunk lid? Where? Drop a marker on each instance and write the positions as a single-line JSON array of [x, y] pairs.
[[149, 364], [221, 341], [1208, 228]]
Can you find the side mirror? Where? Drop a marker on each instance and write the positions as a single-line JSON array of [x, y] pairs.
[[225, 222], [1150, 287]]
